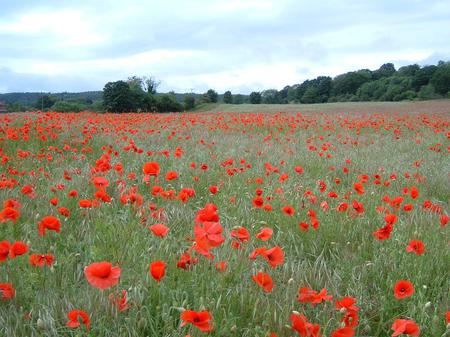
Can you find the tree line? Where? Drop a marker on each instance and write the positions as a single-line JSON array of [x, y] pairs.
[[411, 82]]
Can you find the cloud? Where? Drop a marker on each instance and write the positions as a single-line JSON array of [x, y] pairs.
[[200, 44]]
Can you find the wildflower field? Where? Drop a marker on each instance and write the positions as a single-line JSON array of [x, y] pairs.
[[225, 224]]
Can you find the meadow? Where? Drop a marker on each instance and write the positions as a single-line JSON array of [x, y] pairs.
[[309, 220]]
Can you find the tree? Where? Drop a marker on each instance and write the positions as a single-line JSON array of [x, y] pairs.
[[168, 103], [238, 99], [255, 97], [189, 102], [117, 97], [45, 102], [386, 70], [227, 97], [441, 78], [270, 96], [211, 96]]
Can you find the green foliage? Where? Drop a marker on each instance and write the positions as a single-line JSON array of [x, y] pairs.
[[117, 97], [189, 102], [64, 106], [255, 97], [270, 96], [441, 78], [227, 97], [239, 99], [210, 96], [45, 102]]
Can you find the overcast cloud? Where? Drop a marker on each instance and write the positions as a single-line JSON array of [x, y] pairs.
[[193, 45]]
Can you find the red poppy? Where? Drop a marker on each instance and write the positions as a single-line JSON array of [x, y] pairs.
[[265, 234], [49, 223], [275, 256], [209, 214], [4, 250], [171, 175], [100, 182], [201, 320], [75, 316], [346, 303], [221, 266], [402, 289], [303, 327], [358, 187], [264, 281], [343, 332], [289, 210], [241, 233], [258, 201], [9, 213], [158, 270], [213, 189], [119, 300], [414, 192], [159, 229], [383, 233], [7, 291], [102, 275], [405, 326], [416, 246], [40, 260], [18, 248], [186, 260], [151, 168]]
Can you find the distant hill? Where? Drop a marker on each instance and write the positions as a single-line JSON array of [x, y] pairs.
[[31, 98]]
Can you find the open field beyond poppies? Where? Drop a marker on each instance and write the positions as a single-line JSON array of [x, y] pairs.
[[320, 221]]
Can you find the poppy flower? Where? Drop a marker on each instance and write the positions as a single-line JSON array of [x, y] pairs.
[[171, 175], [186, 260], [265, 234], [209, 214], [258, 201], [75, 316], [100, 182], [213, 189], [7, 291], [405, 326], [402, 289], [416, 246], [102, 275], [264, 281], [40, 260], [18, 248], [346, 303], [300, 324], [151, 168], [414, 192], [120, 301], [49, 223], [159, 229], [208, 235], [289, 210], [275, 256], [4, 250], [9, 213], [221, 266], [241, 233], [358, 187], [201, 320], [343, 332], [383, 233], [158, 270]]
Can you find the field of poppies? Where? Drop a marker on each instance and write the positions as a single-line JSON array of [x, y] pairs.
[[225, 224]]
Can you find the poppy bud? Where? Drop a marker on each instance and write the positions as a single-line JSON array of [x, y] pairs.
[[40, 324], [291, 280], [427, 305], [343, 310]]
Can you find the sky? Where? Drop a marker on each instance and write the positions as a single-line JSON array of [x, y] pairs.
[[194, 45]]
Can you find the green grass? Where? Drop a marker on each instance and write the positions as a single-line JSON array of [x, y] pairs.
[[341, 255]]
